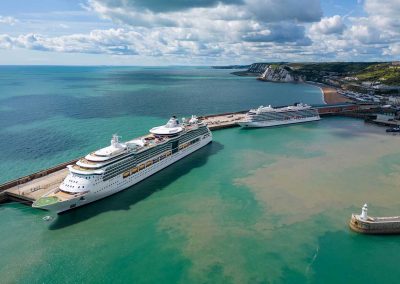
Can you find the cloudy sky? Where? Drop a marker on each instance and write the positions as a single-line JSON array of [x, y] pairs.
[[197, 32]]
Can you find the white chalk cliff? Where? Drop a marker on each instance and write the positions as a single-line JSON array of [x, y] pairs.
[[275, 73]]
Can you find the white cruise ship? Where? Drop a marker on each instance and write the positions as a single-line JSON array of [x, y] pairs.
[[269, 116], [121, 165]]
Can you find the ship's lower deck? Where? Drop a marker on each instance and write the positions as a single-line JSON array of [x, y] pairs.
[[269, 123]]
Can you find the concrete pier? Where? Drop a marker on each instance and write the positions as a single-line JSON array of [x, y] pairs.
[[393, 123], [35, 188], [225, 120], [374, 225], [31, 187]]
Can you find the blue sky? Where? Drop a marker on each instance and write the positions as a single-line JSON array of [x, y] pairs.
[[197, 32]]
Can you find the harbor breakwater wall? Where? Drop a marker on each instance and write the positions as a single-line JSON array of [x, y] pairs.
[[377, 226], [215, 122]]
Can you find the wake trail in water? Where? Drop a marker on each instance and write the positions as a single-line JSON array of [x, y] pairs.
[[313, 260]]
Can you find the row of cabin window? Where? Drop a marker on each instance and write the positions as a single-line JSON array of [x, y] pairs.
[[115, 169], [145, 156], [116, 165], [145, 165], [119, 168], [183, 146], [156, 160], [196, 132], [149, 163], [153, 151], [188, 138]]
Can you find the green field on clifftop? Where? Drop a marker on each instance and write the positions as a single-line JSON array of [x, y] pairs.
[[386, 73]]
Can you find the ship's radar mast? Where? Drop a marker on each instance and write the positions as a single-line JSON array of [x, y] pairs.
[[172, 127], [115, 141]]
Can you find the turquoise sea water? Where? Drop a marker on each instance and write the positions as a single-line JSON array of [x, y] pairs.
[[50, 115], [255, 206]]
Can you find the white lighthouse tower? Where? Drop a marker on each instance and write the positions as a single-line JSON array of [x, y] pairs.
[[364, 215]]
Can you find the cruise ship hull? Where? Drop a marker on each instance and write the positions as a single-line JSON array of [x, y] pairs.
[[269, 123], [120, 183]]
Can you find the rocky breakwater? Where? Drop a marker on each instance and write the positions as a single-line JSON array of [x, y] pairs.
[[280, 73]]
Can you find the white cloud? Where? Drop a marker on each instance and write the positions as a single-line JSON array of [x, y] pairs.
[[329, 25], [5, 42], [8, 20], [143, 13], [162, 6], [222, 23], [384, 17], [283, 32], [282, 10], [173, 44], [63, 26], [392, 50], [113, 41], [383, 8], [374, 36], [212, 31], [365, 34]]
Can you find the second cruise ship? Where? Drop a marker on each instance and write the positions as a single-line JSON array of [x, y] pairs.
[[265, 116], [121, 165]]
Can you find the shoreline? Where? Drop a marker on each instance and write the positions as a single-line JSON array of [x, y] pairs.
[[330, 94]]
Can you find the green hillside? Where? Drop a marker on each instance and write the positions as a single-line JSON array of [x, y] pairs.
[[386, 73], [337, 67]]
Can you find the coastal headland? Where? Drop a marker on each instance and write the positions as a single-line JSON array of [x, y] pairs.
[[340, 82]]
